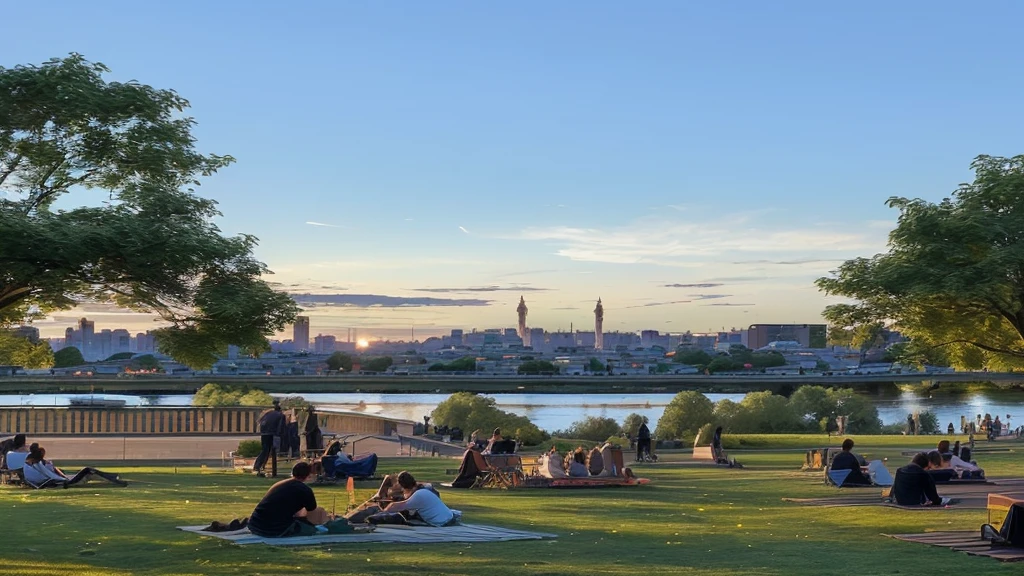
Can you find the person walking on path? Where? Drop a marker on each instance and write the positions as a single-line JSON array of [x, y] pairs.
[[272, 425], [643, 441]]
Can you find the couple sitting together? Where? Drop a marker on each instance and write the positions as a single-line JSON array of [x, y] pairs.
[[290, 508], [31, 465], [945, 465], [876, 473]]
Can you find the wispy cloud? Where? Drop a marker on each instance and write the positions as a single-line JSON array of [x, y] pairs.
[[483, 289], [463, 229], [381, 301], [698, 285], [799, 262], [696, 242], [526, 273], [709, 296], [566, 308], [652, 304], [727, 304], [324, 225]]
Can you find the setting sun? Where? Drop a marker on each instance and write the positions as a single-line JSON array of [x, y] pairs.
[[362, 343]]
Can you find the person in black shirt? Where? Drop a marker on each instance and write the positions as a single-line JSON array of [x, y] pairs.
[[643, 441], [289, 508], [913, 485], [272, 424], [847, 460]]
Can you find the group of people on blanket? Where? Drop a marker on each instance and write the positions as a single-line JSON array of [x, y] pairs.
[[290, 508], [599, 462], [29, 462], [915, 483]]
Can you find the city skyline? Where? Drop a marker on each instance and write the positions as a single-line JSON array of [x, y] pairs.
[[697, 166]]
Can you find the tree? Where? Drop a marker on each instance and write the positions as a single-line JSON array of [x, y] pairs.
[[536, 367], [147, 362], [228, 395], [19, 351], [592, 428], [154, 246], [813, 403], [378, 364], [684, 415], [722, 364], [692, 357], [67, 357], [594, 365], [464, 364], [767, 413], [632, 423], [953, 276], [340, 361], [470, 412]]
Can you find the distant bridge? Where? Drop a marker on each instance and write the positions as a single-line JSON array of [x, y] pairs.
[[163, 384]]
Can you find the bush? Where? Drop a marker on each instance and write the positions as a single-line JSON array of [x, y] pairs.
[[228, 395], [619, 441], [684, 415], [249, 449], [339, 361], [537, 367], [591, 428], [471, 412]]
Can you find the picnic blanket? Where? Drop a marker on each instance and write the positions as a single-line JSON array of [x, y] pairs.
[[967, 495], [969, 542], [384, 534]]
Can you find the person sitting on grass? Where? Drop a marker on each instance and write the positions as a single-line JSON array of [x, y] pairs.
[[578, 464], [38, 471], [847, 460], [951, 459], [914, 486], [414, 501], [288, 508]]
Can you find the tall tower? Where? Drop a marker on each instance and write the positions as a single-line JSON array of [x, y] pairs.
[[523, 332], [598, 323], [300, 333]]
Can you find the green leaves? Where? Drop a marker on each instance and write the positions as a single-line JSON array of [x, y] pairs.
[[953, 277], [19, 351], [154, 246]]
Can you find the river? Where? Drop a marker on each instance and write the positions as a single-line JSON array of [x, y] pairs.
[[558, 411]]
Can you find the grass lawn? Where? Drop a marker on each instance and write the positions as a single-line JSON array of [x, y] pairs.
[[688, 521]]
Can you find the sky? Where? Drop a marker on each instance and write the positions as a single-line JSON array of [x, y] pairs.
[[420, 166]]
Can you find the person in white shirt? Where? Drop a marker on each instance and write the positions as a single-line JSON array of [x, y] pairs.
[[420, 503], [954, 461], [38, 471]]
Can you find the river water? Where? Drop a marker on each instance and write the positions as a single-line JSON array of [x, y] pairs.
[[558, 411]]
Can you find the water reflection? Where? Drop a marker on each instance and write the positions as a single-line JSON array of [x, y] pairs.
[[558, 411]]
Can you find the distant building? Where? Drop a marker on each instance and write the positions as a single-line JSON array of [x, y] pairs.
[[120, 341], [522, 311], [30, 333], [324, 344], [456, 337], [535, 339], [808, 335], [599, 326], [300, 334], [87, 330]]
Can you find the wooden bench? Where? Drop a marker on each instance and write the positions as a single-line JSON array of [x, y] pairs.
[[703, 453], [999, 505]]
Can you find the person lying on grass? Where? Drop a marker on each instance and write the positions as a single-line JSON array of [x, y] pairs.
[[914, 486], [38, 471], [413, 501], [950, 459]]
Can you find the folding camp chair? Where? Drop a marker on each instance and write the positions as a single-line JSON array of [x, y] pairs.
[[504, 466]]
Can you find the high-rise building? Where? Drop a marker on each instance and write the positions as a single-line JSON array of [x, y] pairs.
[[300, 334], [120, 341], [535, 337], [523, 332], [87, 328], [324, 344], [599, 326], [456, 337]]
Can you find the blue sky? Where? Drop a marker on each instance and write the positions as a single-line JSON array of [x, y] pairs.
[[577, 150]]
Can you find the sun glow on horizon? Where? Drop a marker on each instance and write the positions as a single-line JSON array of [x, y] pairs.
[[362, 343]]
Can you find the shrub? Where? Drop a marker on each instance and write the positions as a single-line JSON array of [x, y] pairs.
[[249, 449], [684, 415], [929, 423], [228, 395]]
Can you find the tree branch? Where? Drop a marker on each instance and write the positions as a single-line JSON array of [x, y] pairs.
[[14, 165], [48, 191], [986, 347]]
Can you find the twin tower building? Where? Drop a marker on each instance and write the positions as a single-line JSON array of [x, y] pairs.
[[524, 332]]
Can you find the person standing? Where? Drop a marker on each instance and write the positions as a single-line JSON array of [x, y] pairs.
[[911, 425], [271, 425], [643, 441]]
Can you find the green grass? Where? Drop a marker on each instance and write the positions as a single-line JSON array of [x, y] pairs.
[[688, 521]]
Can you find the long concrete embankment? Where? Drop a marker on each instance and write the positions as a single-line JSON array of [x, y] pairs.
[[479, 383]]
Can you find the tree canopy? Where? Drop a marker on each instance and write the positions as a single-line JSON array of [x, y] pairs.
[[471, 412], [18, 351], [67, 357], [537, 367], [594, 428], [340, 361], [230, 395], [953, 276], [153, 247]]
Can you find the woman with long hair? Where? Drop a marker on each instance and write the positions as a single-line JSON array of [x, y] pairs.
[[38, 471]]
